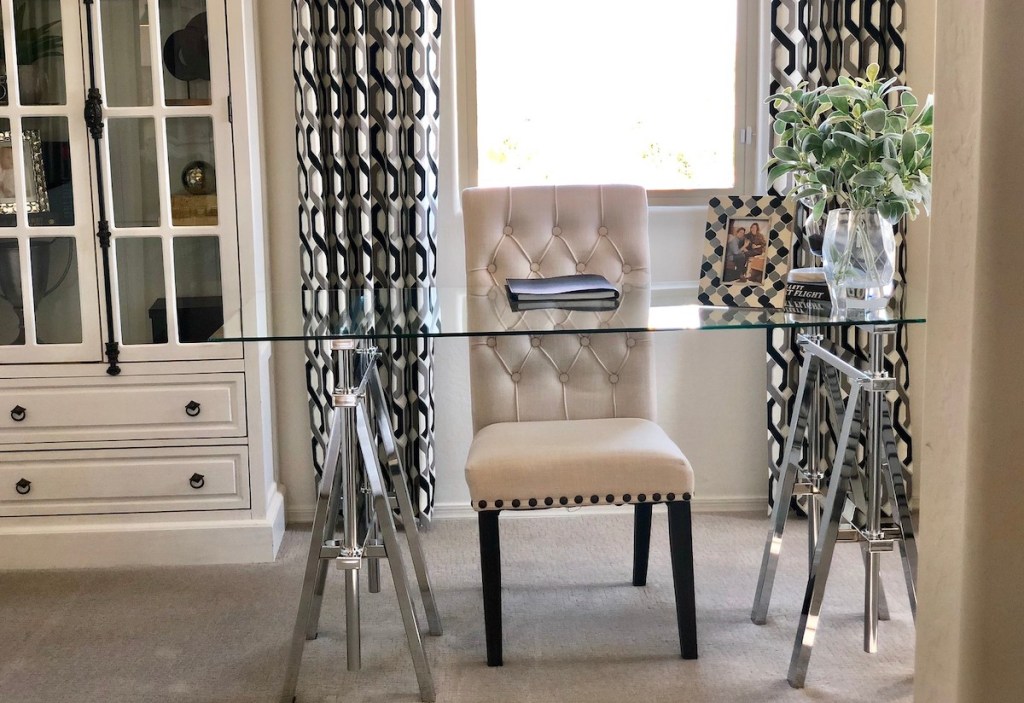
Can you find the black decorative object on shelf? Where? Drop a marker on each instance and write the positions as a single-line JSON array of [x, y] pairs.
[[187, 52], [199, 318], [198, 178]]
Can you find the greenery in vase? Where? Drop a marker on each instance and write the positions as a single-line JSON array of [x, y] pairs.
[[35, 43], [845, 145]]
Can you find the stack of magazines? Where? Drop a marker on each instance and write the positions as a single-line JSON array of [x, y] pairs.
[[581, 292]]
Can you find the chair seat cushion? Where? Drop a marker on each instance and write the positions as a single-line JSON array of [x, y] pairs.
[[524, 465]]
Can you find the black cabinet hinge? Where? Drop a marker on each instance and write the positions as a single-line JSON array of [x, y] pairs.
[[94, 113], [103, 233], [113, 352], [231, 111]]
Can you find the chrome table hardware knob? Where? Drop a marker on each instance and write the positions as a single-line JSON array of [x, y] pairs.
[[193, 409], [23, 486], [197, 481], [18, 413]]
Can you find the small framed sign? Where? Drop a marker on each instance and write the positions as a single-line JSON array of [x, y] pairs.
[[747, 248]]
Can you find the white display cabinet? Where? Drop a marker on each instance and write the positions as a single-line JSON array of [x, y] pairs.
[[128, 236]]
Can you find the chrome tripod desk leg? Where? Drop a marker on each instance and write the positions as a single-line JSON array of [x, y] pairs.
[[814, 475], [313, 621], [884, 472], [898, 490], [834, 392], [329, 487], [826, 542], [397, 471], [351, 457], [386, 520], [784, 494]]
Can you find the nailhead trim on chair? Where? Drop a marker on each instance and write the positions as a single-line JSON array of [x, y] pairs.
[[625, 499]]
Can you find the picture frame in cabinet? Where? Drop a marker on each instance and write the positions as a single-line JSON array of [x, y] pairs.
[[35, 176]]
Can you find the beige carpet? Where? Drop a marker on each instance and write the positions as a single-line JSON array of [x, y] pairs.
[[575, 630]]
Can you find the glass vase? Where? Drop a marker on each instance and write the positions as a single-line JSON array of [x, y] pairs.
[[813, 232], [859, 254]]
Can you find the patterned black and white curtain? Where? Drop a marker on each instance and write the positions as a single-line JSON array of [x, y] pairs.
[[817, 41], [367, 104]]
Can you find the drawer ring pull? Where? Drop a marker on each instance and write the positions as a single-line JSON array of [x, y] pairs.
[[23, 486], [197, 481], [193, 409], [18, 413]]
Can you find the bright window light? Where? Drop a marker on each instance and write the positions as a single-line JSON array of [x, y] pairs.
[[585, 91]]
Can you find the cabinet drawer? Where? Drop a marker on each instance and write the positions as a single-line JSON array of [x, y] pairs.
[[134, 407], [123, 480]]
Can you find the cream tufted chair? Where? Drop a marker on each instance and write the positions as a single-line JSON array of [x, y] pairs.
[[564, 420]]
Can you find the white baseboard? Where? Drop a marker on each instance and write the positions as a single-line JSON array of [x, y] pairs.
[[301, 514], [71, 545]]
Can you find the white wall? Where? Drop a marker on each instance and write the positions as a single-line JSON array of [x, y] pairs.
[[291, 417], [921, 77], [971, 575], [711, 385]]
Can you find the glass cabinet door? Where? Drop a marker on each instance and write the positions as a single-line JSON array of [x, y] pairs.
[[169, 175], [49, 308]]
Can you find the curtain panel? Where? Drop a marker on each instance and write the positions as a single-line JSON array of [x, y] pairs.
[[817, 41], [367, 121]]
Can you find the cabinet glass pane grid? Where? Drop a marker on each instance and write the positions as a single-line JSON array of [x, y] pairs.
[[43, 108], [168, 339]]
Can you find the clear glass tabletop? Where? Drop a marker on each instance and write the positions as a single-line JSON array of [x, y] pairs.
[[461, 312]]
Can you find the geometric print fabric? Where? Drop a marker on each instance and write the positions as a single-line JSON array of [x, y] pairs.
[[818, 41], [367, 120]]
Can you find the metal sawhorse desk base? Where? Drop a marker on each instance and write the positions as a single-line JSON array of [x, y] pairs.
[[882, 463], [369, 536]]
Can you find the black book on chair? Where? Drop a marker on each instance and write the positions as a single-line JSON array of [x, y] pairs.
[[587, 286]]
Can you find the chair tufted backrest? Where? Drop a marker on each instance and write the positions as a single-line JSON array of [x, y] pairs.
[[545, 231]]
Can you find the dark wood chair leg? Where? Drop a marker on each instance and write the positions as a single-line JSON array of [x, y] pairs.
[[680, 539], [641, 542], [490, 571]]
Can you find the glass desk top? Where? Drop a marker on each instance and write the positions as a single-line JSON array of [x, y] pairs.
[[462, 312]]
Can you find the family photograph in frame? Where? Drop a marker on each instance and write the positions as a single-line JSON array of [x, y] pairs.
[[747, 247], [35, 177]]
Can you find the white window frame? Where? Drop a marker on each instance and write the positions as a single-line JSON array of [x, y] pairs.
[[751, 144]]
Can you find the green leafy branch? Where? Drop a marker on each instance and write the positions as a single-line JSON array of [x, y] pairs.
[[845, 144]]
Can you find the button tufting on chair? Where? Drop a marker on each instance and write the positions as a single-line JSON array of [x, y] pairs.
[[566, 420]]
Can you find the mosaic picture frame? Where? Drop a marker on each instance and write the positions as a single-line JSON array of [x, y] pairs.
[[747, 251]]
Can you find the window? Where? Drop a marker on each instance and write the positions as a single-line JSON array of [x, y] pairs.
[[655, 92]]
